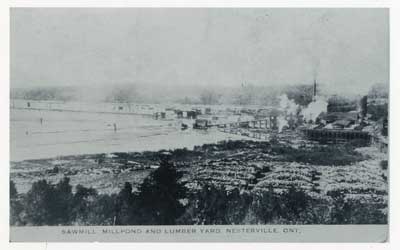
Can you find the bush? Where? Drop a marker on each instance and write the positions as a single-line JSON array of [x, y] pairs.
[[349, 211], [214, 205], [384, 165]]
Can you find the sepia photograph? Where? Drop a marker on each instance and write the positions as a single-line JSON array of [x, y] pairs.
[[152, 122]]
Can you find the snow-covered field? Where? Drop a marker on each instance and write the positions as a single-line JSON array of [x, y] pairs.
[[37, 134]]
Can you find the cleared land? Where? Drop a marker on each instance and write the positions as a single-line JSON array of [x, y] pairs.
[[359, 173]]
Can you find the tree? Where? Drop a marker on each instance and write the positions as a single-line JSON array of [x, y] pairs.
[[62, 201], [125, 207], [378, 111], [379, 90], [266, 206], [16, 207], [238, 206], [83, 203], [208, 97], [123, 94], [48, 204], [340, 213], [294, 202], [13, 190], [103, 211], [246, 95], [212, 204], [90, 208], [160, 194], [38, 204]]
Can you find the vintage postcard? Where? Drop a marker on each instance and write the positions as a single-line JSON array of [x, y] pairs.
[[199, 124]]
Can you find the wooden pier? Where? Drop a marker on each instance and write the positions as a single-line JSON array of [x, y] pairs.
[[241, 128], [261, 124]]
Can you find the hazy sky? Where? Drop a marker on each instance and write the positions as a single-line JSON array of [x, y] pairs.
[[346, 49]]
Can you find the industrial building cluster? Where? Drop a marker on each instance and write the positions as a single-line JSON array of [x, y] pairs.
[[333, 119]]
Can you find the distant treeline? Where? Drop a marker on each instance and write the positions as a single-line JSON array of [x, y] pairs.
[[163, 199], [249, 94], [246, 94], [44, 93]]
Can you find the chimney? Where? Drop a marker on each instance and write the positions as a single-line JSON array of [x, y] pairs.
[[314, 90]]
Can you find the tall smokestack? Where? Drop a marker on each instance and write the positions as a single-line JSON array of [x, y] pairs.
[[315, 90]]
